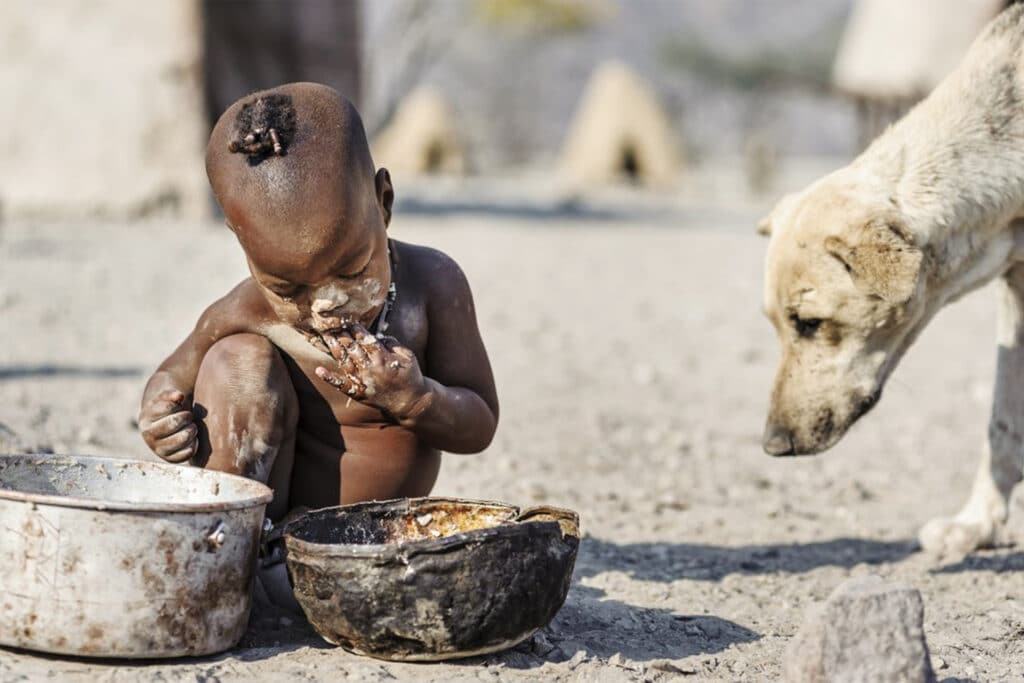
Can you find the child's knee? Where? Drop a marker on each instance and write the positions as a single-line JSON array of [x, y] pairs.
[[245, 406], [241, 359], [247, 369]]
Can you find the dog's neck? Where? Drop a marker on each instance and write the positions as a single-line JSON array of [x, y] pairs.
[[954, 166]]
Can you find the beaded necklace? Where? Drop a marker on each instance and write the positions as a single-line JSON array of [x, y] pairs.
[[381, 325]]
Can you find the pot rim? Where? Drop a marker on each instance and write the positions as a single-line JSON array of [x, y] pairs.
[[406, 549], [264, 497]]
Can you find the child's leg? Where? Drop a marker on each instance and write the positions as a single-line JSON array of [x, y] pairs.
[[247, 411]]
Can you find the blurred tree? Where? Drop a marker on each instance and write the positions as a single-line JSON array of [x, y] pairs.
[[541, 17], [809, 68], [760, 72], [427, 30], [255, 44], [527, 24]]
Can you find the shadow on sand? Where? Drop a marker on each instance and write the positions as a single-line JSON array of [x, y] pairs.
[[592, 625], [36, 371], [669, 562]]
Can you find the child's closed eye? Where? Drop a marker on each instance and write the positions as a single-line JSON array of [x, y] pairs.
[[353, 276], [284, 290]]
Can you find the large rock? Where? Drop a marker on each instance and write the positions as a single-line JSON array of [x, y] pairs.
[[867, 630]]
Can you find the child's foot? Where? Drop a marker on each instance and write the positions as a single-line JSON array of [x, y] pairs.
[[273, 589]]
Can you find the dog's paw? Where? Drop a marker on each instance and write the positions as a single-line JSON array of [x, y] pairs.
[[955, 537]]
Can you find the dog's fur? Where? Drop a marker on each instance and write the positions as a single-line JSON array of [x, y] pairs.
[[861, 260]]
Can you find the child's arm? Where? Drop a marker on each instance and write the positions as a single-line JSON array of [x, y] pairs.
[[455, 407], [165, 416]]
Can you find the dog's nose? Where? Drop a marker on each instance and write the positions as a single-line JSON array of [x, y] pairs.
[[777, 441]]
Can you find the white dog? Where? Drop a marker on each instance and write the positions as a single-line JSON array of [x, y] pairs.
[[861, 260]]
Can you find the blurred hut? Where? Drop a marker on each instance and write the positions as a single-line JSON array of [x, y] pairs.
[[620, 132], [104, 112], [110, 101], [893, 52], [422, 137]]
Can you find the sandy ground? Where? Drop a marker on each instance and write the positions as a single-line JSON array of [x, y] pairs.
[[633, 366]]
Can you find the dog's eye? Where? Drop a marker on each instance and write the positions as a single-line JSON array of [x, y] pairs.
[[805, 327]]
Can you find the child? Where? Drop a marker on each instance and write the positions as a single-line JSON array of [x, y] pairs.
[[347, 362]]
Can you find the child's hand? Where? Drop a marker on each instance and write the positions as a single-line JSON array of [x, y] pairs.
[[167, 427], [376, 371]]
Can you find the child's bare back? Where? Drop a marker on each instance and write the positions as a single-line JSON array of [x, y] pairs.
[[348, 361]]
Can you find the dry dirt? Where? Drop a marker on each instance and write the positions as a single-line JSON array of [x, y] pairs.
[[633, 366]]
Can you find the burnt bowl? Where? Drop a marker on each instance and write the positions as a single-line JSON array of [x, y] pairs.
[[427, 579]]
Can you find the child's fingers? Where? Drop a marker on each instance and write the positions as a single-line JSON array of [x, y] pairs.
[[182, 454], [374, 350], [348, 383], [359, 332], [340, 381], [170, 424], [357, 354], [160, 408], [329, 377], [336, 348], [171, 395], [320, 344], [396, 347], [176, 442]]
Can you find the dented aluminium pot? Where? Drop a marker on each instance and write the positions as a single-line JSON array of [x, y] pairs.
[[108, 557], [431, 578]]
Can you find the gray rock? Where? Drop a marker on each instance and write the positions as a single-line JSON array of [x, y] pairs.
[[867, 630]]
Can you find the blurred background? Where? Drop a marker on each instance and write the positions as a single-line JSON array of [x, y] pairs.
[[597, 168], [109, 102]]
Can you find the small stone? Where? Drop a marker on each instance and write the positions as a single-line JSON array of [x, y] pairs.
[[666, 666], [939, 663], [541, 645], [576, 659], [867, 630]]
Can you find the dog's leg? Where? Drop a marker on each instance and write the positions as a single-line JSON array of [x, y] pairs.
[[1002, 463]]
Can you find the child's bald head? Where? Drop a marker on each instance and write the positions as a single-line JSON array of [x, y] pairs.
[[291, 168]]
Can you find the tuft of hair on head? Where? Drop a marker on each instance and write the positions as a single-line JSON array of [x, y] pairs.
[[264, 127]]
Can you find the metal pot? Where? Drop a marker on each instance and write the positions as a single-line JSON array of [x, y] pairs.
[[431, 578], [108, 557]]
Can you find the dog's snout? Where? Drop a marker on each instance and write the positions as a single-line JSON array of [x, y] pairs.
[[778, 441]]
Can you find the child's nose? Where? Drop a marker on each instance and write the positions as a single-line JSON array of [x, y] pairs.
[[325, 306]]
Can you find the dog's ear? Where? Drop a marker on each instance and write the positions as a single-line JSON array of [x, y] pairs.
[[882, 259], [765, 225]]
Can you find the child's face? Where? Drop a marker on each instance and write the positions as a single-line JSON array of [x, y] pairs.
[[345, 281]]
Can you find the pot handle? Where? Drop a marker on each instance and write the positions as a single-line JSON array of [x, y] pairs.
[[217, 535], [568, 520]]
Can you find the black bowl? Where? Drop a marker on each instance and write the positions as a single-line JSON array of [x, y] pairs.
[[431, 578]]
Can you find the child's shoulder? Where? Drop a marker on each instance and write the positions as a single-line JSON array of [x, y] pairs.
[[429, 269], [238, 310]]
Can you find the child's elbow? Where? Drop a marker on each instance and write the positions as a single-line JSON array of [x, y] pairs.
[[480, 438]]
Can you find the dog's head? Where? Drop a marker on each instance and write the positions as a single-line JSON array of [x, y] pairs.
[[843, 283]]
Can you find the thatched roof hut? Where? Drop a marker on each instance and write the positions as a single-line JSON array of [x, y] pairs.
[[894, 49], [422, 138], [620, 132]]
